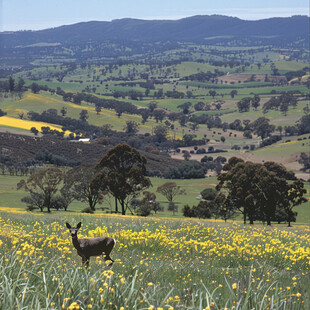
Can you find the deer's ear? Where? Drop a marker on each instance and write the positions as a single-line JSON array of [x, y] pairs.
[[79, 225], [68, 225]]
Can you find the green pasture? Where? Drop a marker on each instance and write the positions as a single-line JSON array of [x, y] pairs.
[[288, 147], [10, 197], [276, 117]]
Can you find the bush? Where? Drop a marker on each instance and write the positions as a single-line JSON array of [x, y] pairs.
[[203, 210], [201, 151], [188, 211], [208, 194], [143, 209], [88, 210], [31, 208], [235, 147]]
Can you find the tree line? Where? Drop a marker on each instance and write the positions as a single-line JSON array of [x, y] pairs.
[[259, 192]]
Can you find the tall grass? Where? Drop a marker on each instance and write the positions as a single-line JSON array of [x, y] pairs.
[[159, 264]]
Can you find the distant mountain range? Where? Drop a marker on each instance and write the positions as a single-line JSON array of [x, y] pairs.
[[191, 29]]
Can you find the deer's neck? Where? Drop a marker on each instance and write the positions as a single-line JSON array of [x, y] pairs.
[[76, 243]]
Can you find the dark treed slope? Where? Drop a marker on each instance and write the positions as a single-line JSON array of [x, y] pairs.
[[20, 148], [196, 28]]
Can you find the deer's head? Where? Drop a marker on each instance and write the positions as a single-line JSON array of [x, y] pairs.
[[73, 231]]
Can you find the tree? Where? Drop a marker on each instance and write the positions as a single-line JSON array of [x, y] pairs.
[[122, 172], [255, 102], [305, 161], [186, 155], [170, 190], [20, 85], [145, 113], [63, 111], [262, 128], [199, 106], [233, 93], [152, 106], [161, 132], [2, 113], [67, 192], [284, 108], [244, 104], [35, 200], [294, 197], [247, 134], [34, 130], [223, 208], [303, 124], [131, 127], [159, 115], [84, 115], [212, 93], [85, 186], [194, 126], [98, 109], [44, 183], [11, 84], [185, 107], [35, 88]]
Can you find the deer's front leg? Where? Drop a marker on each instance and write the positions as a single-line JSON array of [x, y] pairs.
[[85, 261]]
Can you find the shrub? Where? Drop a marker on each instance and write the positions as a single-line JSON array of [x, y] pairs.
[[88, 210], [188, 211]]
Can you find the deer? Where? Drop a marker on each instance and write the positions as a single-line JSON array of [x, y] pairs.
[[92, 246]]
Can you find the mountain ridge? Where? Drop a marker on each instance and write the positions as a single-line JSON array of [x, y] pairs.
[[190, 29]]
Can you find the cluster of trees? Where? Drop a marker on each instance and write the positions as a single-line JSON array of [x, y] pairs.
[[305, 161], [12, 86], [297, 74], [22, 168], [245, 103], [119, 106], [282, 102], [265, 192], [188, 170], [120, 173], [74, 125], [204, 76]]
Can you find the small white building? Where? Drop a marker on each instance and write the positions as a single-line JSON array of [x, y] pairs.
[[84, 140]]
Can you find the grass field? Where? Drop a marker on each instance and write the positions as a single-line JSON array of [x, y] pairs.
[[10, 198], [159, 264]]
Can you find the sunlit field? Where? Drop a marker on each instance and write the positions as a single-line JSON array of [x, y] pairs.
[[159, 264], [26, 124]]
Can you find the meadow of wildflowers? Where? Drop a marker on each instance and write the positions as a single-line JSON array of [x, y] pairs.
[[159, 264]]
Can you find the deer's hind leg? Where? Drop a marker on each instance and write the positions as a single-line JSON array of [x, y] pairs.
[[107, 252]]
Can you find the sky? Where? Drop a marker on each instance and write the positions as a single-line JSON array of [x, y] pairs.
[[42, 14]]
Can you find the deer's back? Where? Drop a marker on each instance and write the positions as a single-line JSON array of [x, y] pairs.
[[96, 246]]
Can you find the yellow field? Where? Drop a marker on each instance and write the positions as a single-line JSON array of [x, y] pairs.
[[160, 264], [25, 124]]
